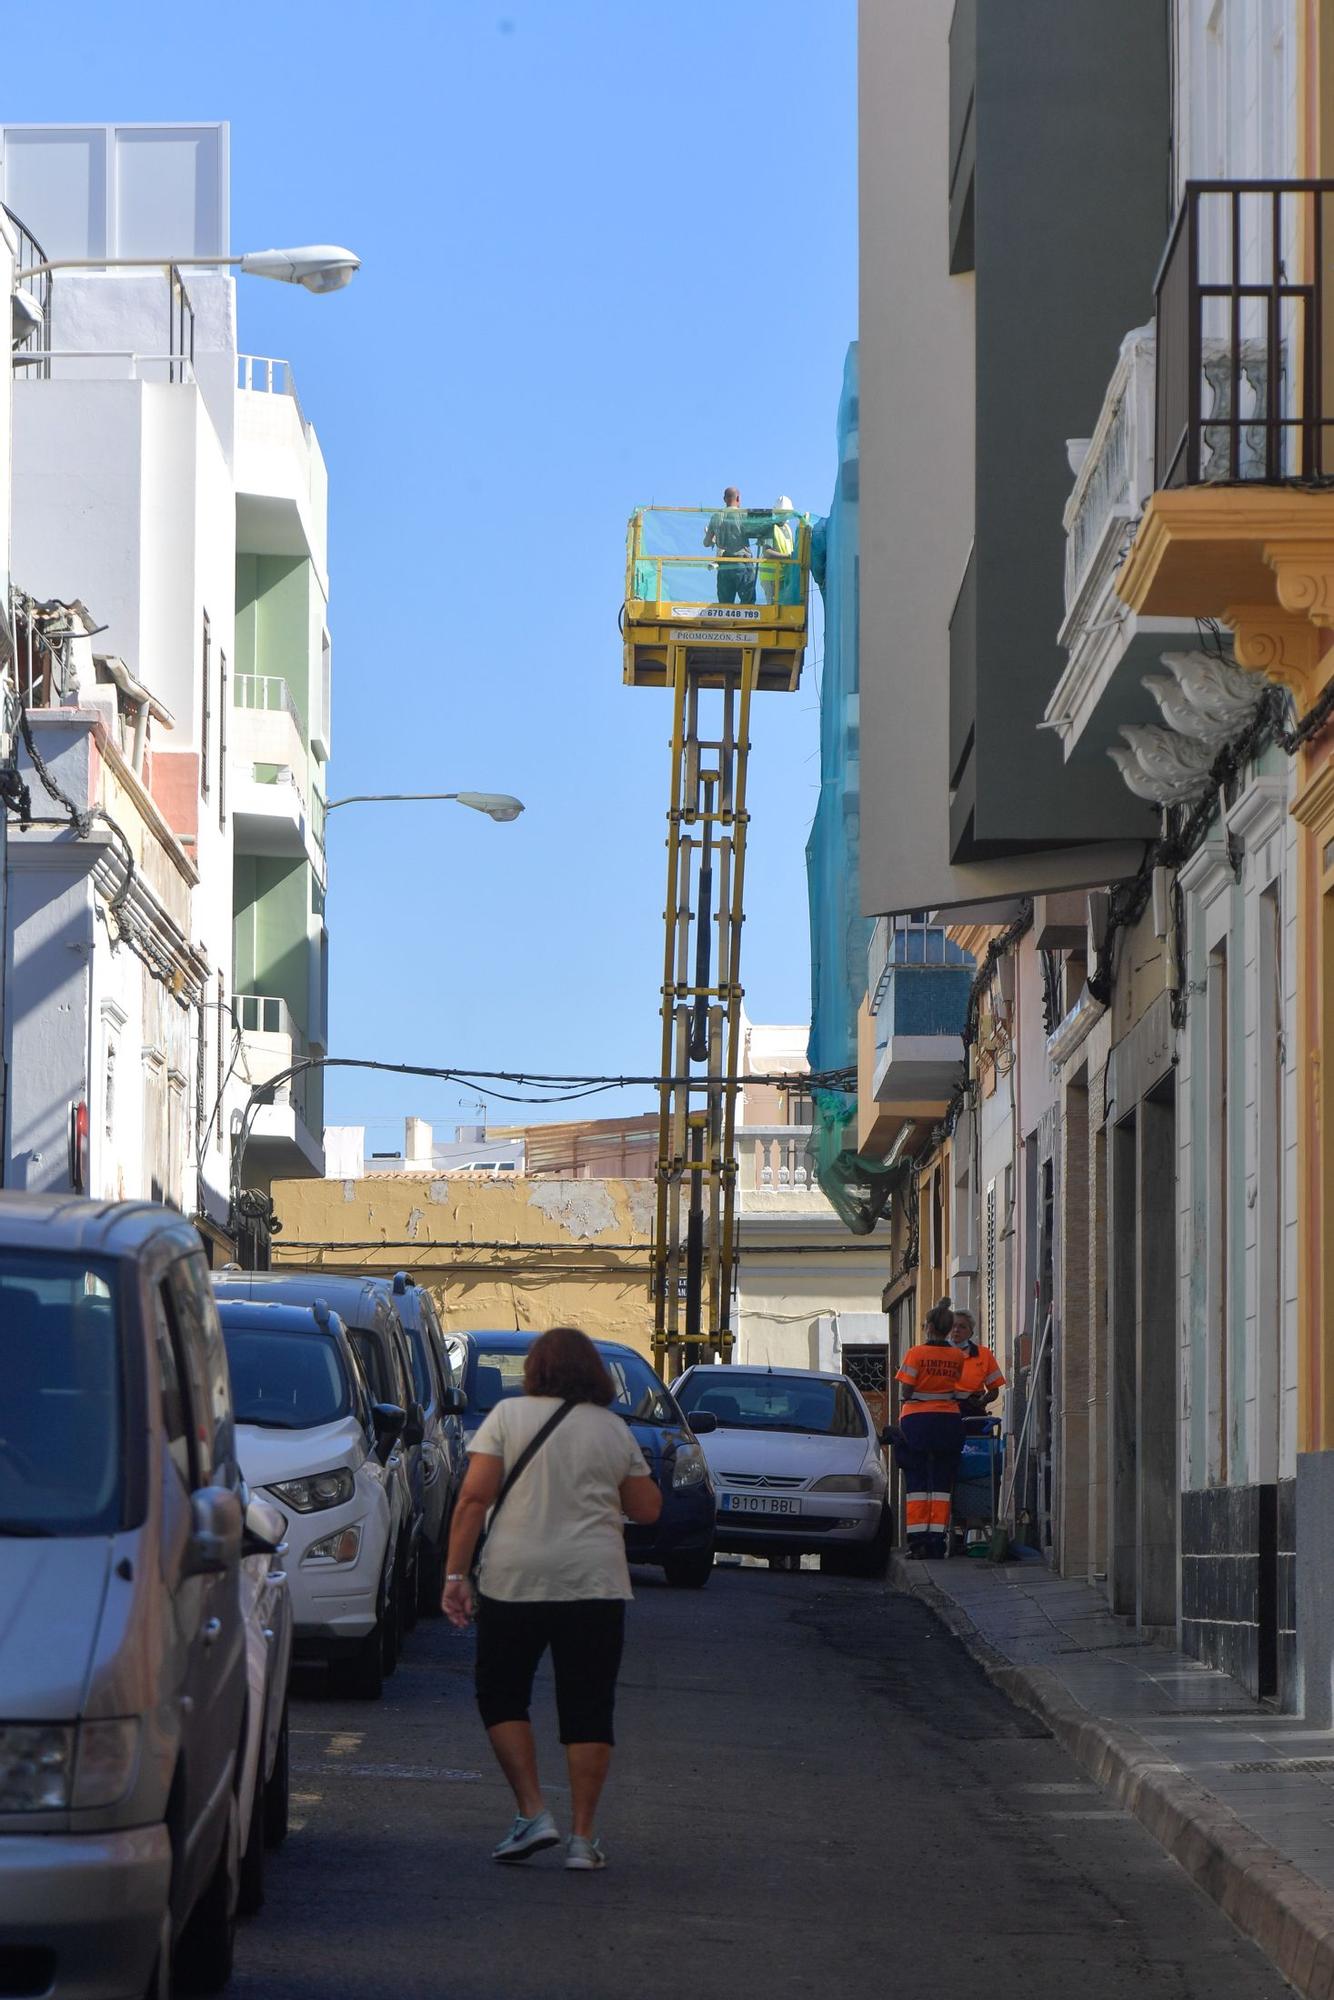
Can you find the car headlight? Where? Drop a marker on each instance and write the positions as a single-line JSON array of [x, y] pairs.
[[50, 1767], [36, 1761], [343, 1546], [845, 1482], [321, 1489], [105, 1757], [691, 1468]]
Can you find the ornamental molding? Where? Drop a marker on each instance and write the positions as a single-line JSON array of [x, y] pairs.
[[1207, 874], [1305, 575], [1313, 807], [1283, 645], [1259, 813]]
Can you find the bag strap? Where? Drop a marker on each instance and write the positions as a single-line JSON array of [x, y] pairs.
[[520, 1466]]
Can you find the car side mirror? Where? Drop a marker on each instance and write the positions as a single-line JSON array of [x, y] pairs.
[[702, 1422], [389, 1419], [265, 1529], [215, 1531], [887, 1437]]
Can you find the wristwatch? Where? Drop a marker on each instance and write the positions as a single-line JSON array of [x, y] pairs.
[[456, 1577]]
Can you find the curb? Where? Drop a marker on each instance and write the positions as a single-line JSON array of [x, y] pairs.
[[1265, 1895]]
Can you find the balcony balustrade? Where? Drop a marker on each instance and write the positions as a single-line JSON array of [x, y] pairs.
[[1241, 335], [285, 1135], [918, 982]]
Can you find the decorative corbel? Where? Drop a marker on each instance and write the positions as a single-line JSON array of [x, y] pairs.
[[1305, 573], [1283, 645]]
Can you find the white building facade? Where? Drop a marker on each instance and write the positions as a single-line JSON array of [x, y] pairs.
[[174, 487]]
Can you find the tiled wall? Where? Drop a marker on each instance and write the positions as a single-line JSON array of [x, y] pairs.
[[1233, 1581]]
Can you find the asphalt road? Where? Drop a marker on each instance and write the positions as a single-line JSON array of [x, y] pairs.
[[817, 1792]]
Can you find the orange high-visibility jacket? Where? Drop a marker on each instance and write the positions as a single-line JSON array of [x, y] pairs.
[[934, 1378]]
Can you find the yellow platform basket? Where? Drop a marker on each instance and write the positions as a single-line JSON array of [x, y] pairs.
[[718, 582]]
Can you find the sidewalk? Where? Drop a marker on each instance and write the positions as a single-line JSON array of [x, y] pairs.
[[1241, 1797]]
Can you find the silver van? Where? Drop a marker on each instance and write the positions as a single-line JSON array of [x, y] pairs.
[[122, 1654]]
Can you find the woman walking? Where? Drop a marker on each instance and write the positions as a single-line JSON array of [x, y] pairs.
[[559, 1475], [932, 1432]]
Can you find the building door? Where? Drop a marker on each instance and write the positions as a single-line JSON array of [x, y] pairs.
[[868, 1369]]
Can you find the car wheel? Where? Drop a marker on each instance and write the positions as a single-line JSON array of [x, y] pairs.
[[208, 1942], [411, 1585], [278, 1791], [362, 1674], [159, 1984], [391, 1626], [431, 1580], [250, 1893], [689, 1572]]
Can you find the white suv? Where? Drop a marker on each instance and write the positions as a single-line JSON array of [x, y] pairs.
[[797, 1463], [310, 1440]]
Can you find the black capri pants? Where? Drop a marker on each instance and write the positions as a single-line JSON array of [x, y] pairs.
[[586, 1637]]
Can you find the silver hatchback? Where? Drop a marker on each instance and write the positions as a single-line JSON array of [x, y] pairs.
[[122, 1648], [797, 1463]]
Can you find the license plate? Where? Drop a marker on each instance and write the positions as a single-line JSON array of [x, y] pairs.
[[758, 1503]]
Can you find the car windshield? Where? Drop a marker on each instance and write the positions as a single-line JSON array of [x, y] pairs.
[[61, 1452], [640, 1396], [772, 1402], [285, 1381]]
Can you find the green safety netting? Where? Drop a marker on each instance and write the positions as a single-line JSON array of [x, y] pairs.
[[858, 1188]]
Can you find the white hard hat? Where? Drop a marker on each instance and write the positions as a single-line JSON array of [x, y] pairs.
[[782, 505]]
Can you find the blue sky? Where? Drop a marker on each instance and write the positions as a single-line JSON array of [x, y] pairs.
[[609, 257]]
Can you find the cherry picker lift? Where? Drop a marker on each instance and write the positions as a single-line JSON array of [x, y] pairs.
[[694, 621]]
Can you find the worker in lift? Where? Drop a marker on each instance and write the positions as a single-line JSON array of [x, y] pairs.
[[729, 532], [776, 549]]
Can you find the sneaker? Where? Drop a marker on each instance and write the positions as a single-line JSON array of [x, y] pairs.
[[585, 1853], [525, 1837]]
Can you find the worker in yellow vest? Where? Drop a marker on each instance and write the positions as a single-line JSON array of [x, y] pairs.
[[778, 543]]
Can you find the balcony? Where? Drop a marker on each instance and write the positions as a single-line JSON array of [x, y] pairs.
[[910, 1046], [275, 811], [281, 484], [1109, 647], [1241, 524], [285, 1136], [771, 1159]]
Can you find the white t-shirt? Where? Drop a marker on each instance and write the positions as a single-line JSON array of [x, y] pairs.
[[560, 1534]]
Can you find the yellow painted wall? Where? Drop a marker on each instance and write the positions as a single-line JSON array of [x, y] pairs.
[[562, 1259]]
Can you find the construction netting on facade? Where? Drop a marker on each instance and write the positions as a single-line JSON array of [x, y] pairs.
[[839, 933]]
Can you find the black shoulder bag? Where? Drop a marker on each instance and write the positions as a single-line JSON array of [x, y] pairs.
[[520, 1466]]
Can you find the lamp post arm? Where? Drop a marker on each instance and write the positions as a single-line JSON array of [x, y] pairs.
[[119, 264], [384, 798]]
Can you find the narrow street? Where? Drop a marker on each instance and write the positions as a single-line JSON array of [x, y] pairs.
[[816, 1789]]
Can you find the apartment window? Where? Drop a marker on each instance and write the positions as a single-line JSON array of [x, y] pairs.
[[109, 1091], [222, 746], [799, 1107], [205, 704]]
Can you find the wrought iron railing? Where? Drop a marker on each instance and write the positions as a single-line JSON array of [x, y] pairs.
[[1242, 332], [36, 345]]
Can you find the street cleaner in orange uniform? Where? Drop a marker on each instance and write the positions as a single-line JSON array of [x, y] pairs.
[[931, 1431]]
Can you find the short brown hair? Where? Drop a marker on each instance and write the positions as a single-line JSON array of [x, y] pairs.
[[565, 1363]]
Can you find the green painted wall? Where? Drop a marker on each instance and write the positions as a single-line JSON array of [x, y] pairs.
[[273, 622], [271, 904]]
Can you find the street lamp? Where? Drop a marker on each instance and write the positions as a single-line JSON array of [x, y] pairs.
[[319, 267], [496, 805]]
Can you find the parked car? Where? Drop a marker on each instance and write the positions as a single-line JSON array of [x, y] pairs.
[[796, 1459], [444, 1458], [313, 1442], [123, 1682], [681, 1541], [367, 1310], [266, 1604]]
